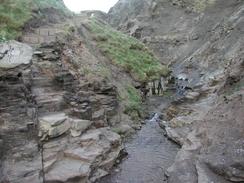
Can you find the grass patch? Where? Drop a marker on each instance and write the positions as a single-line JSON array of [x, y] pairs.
[[201, 5], [15, 13], [57, 4], [132, 101], [127, 52]]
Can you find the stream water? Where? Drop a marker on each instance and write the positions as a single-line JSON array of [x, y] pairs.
[[149, 155]]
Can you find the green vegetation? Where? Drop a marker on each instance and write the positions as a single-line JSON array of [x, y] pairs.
[[127, 52], [201, 5], [15, 13], [132, 101], [57, 4]]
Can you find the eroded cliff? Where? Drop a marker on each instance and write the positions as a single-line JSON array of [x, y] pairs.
[[67, 99], [203, 43]]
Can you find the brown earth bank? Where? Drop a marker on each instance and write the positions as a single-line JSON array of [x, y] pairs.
[[62, 117]]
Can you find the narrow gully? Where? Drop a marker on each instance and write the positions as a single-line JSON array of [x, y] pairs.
[[150, 153]]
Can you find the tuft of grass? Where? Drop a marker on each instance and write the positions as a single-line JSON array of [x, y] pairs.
[[132, 101], [15, 13], [200, 5], [127, 52]]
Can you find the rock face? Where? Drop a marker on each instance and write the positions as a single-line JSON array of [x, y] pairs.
[[56, 107], [83, 158], [48, 117], [178, 32], [203, 40], [13, 54]]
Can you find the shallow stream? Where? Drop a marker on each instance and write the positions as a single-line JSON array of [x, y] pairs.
[[150, 153]]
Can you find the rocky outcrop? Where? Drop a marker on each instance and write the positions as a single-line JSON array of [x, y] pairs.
[[52, 121], [14, 54], [21, 156], [84, 158], [171, 28], [202, 40]]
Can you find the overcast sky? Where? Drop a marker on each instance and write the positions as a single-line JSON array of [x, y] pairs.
[[79, 5]]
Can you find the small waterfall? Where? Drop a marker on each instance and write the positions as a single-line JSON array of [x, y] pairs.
[[155, 118]]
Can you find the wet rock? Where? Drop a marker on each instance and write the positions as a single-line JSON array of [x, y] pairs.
[[174, 136], [124, 130], [100, 173], [136, 126], [13, 54], [67, 170], [85, 158], [163, 124]]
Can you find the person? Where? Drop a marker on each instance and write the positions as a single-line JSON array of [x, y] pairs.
[[159, 87], [153, 88], [144, 91]]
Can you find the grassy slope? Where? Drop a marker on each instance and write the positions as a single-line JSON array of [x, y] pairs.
[[15, 13], [133, 56], [127, 52]]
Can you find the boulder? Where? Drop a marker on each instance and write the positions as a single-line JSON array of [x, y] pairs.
[[174, 136], [124, 130], [98, 115], [85, 158], [13, 54], [67, 170], [53, 125], [78, 126]]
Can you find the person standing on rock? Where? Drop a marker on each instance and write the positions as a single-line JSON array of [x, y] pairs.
[[159, 87], [153, 88], [144, 91]]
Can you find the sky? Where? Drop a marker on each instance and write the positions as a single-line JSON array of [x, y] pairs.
[[80, 5]]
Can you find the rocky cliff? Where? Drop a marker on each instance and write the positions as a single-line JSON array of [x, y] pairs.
[[73, 87], [203, 43]]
